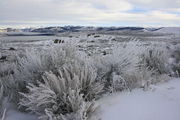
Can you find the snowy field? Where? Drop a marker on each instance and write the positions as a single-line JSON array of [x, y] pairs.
[[160, 102], [91, 75]]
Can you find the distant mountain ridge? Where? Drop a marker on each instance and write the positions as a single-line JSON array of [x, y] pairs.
[[82, 28], [59, 29]]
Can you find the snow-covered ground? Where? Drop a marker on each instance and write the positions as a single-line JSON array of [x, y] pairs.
[[161, 102], [16, 115]]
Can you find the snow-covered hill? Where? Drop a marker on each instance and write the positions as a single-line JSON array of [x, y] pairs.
[[175, 30]]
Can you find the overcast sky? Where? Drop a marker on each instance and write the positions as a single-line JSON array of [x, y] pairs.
[[90, 12]]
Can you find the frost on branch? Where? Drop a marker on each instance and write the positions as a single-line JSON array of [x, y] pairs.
[[155, 59], [122, 62], [65, 95], [32, 66]]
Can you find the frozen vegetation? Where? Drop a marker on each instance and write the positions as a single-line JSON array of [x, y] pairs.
[[65, 77]]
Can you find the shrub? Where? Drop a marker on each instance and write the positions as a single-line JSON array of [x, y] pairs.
[[30, 67], [122, 60], [2, 106], [133, 65], [139, 78], [96, 36], [174, 62], [65, 95], [56, 41], [36, 62], [7, 81], [3, 58], [154, 58]]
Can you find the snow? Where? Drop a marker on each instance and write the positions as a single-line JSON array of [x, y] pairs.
[[16, 115], [161, 102], [175, 30], [13, 114]]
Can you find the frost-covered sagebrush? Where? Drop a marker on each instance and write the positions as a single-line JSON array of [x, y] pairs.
[[65, 95], [7, 81], [133, 65], [2, 106], [174, 62], [36, 62], [154, 58], [123, 60], [29, 67]]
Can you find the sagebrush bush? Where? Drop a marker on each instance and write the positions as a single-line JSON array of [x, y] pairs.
[[154, 58], [65, 95], [133, 65], [152, 66], [139, 78], [123, 59], [36, 62], [29, 67], [2, 103], [7, 80], [174, 62]]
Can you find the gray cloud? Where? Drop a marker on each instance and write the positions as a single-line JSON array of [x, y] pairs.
[[90, 12]]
